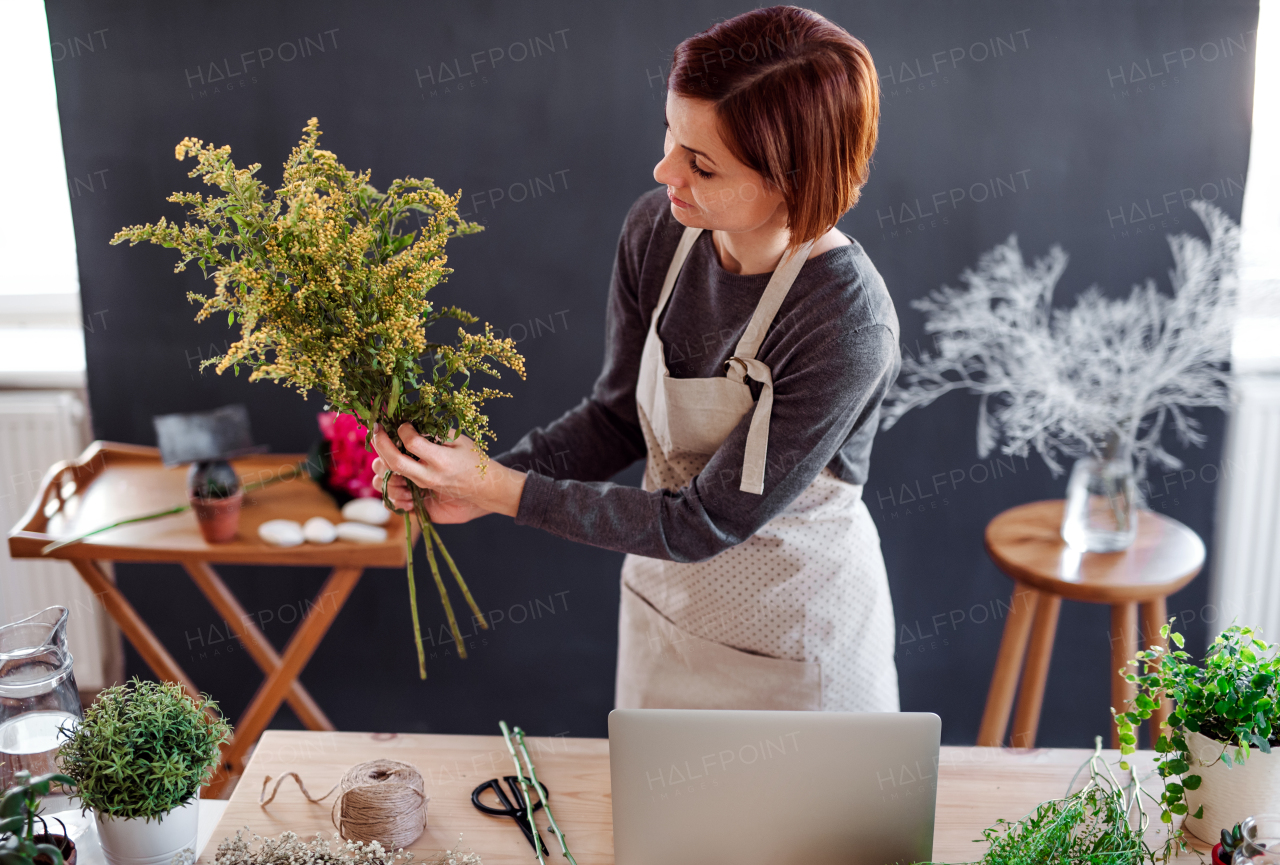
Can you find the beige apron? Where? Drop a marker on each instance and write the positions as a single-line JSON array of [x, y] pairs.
[[798, 616]]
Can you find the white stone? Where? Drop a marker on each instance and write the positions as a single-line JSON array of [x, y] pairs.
[[281, 533], [361, 533], [366, 510], [318, 530]]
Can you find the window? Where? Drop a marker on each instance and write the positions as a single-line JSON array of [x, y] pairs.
[[41, 335]]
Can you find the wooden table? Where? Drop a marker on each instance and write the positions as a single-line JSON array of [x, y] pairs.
[[976, 786], [1026, 543], [111, 481]]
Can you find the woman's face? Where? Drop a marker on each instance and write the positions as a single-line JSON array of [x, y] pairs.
[[708, 187]]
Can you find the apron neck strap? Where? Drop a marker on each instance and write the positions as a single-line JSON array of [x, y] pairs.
[[677, 262], [774, 293]]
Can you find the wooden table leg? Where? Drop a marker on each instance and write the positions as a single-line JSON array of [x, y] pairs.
[[1004, 679], [271, 693], [1154, 617], [1124, 643], [131, 624], [255, 642], [1034, 675]]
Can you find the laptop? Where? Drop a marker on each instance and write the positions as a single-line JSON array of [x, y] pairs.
[[756, 787]]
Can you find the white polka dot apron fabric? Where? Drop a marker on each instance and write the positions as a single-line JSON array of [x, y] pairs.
[[798, 616]]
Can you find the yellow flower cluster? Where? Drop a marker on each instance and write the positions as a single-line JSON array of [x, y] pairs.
[[328, 280]]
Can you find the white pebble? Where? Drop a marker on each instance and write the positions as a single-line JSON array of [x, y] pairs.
[[361, 533], [318, 530], [281, 533], [366, 510]]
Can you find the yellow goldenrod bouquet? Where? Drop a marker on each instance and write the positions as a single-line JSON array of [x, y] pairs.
[[328, 280]]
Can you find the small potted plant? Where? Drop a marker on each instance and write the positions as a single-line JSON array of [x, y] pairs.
[[213, 488], [139, 759], [20, 844], [1215, 759]]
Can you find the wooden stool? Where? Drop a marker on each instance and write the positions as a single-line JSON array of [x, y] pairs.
[[1026, 544]]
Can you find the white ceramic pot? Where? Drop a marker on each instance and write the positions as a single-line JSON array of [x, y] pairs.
[[135, 841], [1229, 793]]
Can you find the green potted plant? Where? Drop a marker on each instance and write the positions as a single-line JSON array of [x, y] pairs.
[[139, 759], [1214, 752], [20, 844]]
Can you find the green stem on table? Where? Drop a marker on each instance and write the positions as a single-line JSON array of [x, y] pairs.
[[57, 545], [524, 792], [545, 796], [154, 515], [462, 584], [425, 521], [413, 594]]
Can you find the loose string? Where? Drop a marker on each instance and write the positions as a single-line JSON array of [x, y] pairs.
[[382, 800]]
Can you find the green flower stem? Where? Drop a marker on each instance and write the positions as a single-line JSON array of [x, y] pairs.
[[524, 791], [413, 595], [546, 797], [435, 571], [462, 584], [155, 515]]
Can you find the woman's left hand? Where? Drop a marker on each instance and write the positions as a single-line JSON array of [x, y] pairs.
[[452, 472]]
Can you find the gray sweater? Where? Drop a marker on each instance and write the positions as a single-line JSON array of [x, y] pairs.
[[833, 351]]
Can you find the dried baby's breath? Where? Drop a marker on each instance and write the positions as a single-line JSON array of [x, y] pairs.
[[249, 848]]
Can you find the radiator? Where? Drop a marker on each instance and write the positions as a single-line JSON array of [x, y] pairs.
[[1246, 584], [37, 429]]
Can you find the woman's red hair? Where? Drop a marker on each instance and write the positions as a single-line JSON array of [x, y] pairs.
[[797, 99]]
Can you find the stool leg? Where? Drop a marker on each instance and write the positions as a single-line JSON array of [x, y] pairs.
[[1124, 643], [1154, 617], [1004, 679], [1036, 672]]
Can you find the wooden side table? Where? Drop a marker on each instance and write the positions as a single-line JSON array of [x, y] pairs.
[[110, 482], [1025, 544]]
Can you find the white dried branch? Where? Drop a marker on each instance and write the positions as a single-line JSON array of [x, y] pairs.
[[1065, 381]]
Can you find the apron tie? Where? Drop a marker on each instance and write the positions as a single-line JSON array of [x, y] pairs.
[[754, 456]]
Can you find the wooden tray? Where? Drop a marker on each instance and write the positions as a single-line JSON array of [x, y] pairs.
[[112, 481]]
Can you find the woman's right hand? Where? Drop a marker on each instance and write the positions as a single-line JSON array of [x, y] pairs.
[[440, 511]]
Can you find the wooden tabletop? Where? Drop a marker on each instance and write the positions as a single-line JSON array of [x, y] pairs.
[[1026, 543], [976, 787], [112, 481]]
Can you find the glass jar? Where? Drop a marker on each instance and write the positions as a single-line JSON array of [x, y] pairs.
[[1101, 514], [1260, 841]]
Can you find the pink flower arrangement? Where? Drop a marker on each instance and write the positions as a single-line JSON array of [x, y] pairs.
[[350, 465]]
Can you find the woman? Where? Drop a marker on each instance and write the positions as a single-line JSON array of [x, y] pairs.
[[749, 344]]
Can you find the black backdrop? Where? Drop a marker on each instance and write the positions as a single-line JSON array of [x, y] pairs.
[[1085, 123]]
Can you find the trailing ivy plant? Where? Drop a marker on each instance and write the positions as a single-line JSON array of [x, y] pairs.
[[143, 749], [1231, 699]]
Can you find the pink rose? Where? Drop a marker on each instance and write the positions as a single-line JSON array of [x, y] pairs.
[[351, 466]]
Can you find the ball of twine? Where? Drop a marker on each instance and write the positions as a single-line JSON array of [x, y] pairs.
[[382, 800]]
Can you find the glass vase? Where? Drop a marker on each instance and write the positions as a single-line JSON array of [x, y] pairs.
[[1101, 515]]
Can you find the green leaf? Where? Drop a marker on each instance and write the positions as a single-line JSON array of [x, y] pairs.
[[1178, 639], [1191, 782], [231, 319]]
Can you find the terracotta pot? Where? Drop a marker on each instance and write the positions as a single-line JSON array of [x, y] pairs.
[[64, 844], [1228, 793], [218, 518]]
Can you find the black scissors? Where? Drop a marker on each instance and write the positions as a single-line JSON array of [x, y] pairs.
[[516, 812]]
